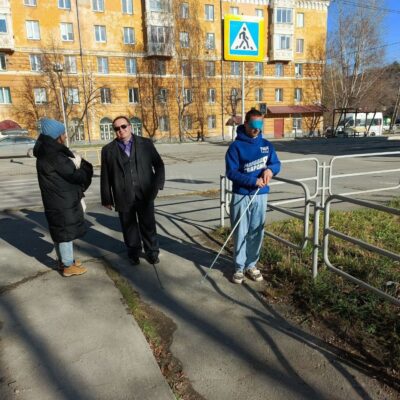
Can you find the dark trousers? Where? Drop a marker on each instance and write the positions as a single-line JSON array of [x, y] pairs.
[[139, 225]]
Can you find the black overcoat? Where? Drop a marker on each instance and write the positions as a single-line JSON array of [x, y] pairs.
[[150, 168], [62, 186]]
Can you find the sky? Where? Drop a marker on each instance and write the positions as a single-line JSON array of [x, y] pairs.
[[391, 24]]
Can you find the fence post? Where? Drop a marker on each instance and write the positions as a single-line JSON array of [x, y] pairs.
[[316, 246], [222, 200], [323, 183]]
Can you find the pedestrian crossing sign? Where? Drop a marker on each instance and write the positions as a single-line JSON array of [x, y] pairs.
[[243, 38]]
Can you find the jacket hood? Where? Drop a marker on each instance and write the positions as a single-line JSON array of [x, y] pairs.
[[242, 136], [46, 146]]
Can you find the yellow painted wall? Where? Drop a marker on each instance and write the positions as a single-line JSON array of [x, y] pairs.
[[50, 17]]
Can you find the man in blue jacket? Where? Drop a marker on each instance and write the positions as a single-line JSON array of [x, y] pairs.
[[251, 162]]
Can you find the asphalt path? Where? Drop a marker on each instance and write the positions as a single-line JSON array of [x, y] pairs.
[[196, 167]]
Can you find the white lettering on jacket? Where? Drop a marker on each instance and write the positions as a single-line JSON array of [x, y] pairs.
[[255, 165]]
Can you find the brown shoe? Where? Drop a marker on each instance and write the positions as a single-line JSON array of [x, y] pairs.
[[61, 266], [74, 270]]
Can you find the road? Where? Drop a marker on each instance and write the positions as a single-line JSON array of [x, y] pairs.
[[196, 167]]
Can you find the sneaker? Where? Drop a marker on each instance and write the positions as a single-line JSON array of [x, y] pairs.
[[74, 270], [254, 274], [61, 266], [238, 277], [152, 258]]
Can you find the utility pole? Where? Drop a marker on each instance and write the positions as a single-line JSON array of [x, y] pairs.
[[395, 111], [58, 69]]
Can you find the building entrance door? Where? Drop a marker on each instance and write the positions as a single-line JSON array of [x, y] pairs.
[[278, 127]]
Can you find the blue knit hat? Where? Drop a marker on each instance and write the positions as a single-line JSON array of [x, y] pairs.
[[51, 127]]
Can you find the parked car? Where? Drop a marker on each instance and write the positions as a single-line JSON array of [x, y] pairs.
[[11, 146], [14, 132]]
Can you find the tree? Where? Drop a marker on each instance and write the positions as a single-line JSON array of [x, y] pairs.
[[353, 49], [57, 80]]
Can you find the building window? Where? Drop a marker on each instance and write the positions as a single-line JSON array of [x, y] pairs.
[[299, 45], [259, 94], [163, 123], [184, 39], [64, 4], [235, 68], [297, 122], [159, 34], [259, 69], [159, 5], [102, 65], [127, 6], [187, 122], [187, 96], [36, 62], [100, 33], [160, 68], [131, 66], [210, 68], [3, 64], [67, 32], [211, 95], [76, 130], [40, 95], [163, 95], [283, 16], [129, 36], [210, 41], [5, 95], [234, 10], [30, 3], [209, 12], [32, 30], [279, 69], [284, 42], [186, 68], [73, 96], [3, 24], [184, 11], [211, 122], [106, 129], [70, 64], [259, 12], [298, 70], [279, 94], [298, 94], [300, 20], [105, 95], [133, 94], [98, 5]]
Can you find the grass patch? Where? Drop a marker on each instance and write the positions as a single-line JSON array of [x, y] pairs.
[[364, 321]]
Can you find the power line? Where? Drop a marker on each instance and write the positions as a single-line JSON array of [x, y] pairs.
[[369, 7]]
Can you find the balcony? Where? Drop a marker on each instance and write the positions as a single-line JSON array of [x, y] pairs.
[[160, 49], [6, 32]]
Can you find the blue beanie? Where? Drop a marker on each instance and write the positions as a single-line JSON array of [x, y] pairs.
[[51, 127]]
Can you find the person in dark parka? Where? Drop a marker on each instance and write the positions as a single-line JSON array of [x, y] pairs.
[[62, 186], [132, 173]]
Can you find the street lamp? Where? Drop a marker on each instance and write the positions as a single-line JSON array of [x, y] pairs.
[[58, 69]]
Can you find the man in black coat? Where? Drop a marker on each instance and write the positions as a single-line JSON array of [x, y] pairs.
[[132, 172], [62, 185]]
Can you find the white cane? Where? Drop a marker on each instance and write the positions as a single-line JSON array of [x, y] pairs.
[[232, 231]]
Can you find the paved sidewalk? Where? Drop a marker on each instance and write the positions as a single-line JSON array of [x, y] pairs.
[[73, 339], [67, 338]]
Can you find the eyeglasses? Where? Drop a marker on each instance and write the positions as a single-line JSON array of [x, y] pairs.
[[117, 128]]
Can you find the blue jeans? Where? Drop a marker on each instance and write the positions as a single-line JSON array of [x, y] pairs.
[[248, 236], [65, 253]]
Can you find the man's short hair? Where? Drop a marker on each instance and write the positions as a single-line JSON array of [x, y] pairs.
[[123, 117], [252, 113]]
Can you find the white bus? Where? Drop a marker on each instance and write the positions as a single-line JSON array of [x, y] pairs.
[[360, 124]]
